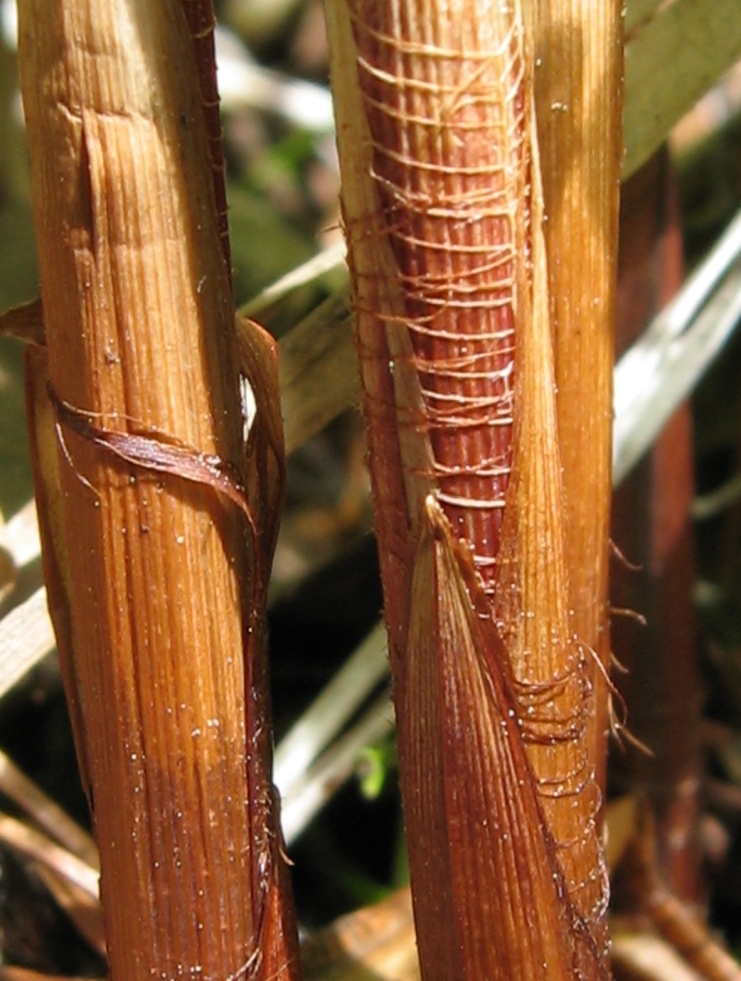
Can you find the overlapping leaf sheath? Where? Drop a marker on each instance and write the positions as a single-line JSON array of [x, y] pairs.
[[579, 63], [158, 522], [443, 213]]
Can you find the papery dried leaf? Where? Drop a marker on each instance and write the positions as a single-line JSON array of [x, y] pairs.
[[152, 452], [377, 939], [25, 322]]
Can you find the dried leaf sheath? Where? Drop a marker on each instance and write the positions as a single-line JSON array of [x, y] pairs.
[[532, 612], [579, 45], [457, 718], [443, 212]]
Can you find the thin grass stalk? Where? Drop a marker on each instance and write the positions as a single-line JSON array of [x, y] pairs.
[[150, 511], [443, 210]]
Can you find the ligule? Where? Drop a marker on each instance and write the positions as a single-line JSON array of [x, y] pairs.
[[443, 210]]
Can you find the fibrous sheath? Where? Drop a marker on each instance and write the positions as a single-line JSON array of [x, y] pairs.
[[443, 215], [443, 99]]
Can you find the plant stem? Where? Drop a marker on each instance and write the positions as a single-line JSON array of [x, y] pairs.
[[443, 211], [149, 509]]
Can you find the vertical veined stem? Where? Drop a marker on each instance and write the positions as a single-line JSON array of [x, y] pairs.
[[578, 82], [155, 582]]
